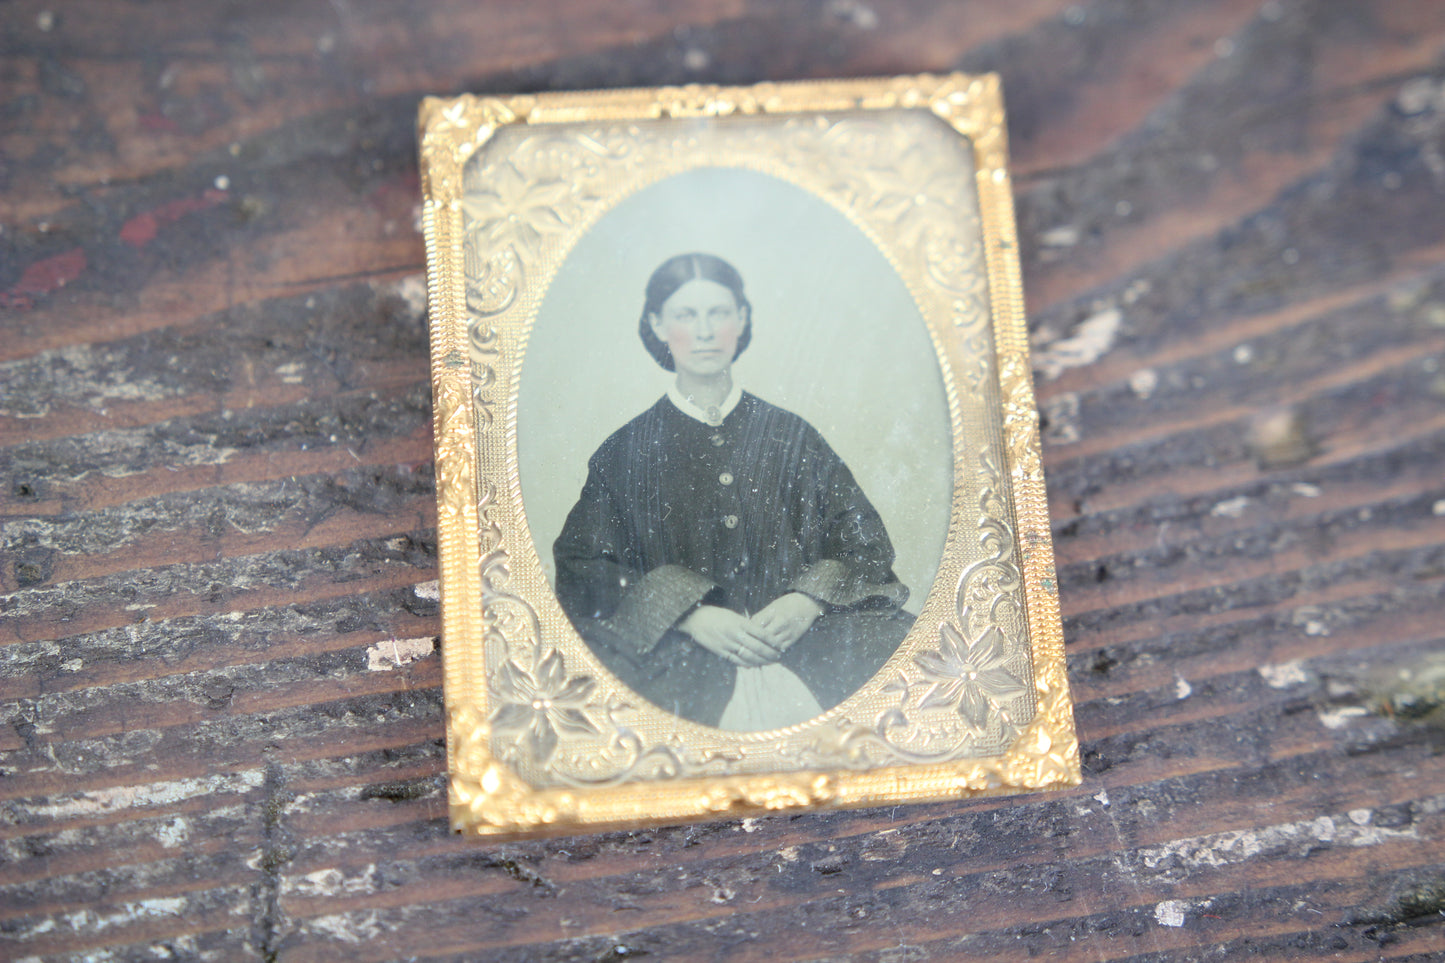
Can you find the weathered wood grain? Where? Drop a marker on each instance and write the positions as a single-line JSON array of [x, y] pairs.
[[220, 714]]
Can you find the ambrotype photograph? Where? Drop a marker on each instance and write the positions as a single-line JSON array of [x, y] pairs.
[[739, 488], [717, 551]]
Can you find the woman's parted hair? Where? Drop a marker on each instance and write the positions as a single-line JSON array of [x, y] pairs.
[[673, 274]]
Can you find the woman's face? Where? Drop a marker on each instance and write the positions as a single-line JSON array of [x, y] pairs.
[[701, 323]]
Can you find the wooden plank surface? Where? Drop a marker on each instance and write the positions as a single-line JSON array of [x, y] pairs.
[[219, 685]]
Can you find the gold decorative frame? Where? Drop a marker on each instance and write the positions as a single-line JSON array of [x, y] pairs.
[[942, 719]]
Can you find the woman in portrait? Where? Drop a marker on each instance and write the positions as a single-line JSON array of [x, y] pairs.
[[721, 559]]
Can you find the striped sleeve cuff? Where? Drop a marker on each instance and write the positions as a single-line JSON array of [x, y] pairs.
[[840, 586], [654, 605]]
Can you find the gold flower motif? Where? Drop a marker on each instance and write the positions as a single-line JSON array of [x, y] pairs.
[[536, 704], [504, 207], [970, 678]]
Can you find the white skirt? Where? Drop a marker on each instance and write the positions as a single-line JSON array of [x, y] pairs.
[[768, 697]]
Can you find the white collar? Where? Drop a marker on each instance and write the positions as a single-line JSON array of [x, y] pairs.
[[708, 416]]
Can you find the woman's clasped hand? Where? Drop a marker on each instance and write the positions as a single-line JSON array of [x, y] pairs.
[[755, 640]]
